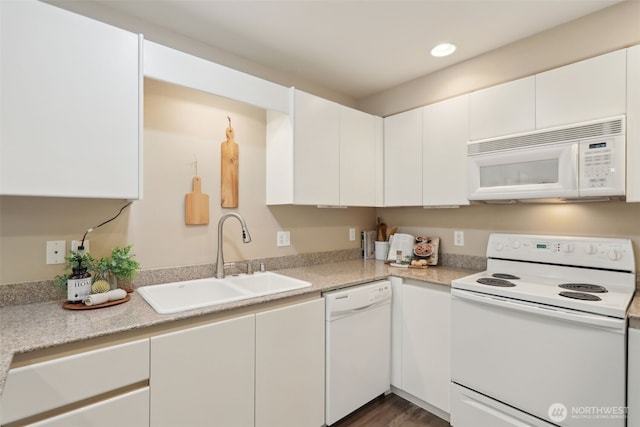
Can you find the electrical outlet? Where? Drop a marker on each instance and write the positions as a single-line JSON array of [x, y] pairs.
[[458, 238], [283, 238], [352, 234], [56, 251], [76, 243]]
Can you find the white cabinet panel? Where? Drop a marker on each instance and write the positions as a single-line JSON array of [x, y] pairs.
[[129, 409], [445, 134], [633, 378], [316, 135], [323, 153], [503, 109], [396, 332], [426, 327], [633, 124], [403, 159], [586, 90], [70, 109], [204, 375], [358, 147], [44, 386], [290, 366]]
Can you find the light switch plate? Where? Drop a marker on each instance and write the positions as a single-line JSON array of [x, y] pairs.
[[283, 238], [56, 250], [352, 234], [458, 238]]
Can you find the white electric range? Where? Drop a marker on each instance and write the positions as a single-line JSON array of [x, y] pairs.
[[539, 337]]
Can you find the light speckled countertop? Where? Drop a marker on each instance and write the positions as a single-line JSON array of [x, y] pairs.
[[634, 312], [29, 327]]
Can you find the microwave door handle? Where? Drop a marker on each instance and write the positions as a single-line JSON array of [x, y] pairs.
[[609, 323]]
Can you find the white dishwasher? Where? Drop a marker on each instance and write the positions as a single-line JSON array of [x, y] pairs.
[[358, 346]]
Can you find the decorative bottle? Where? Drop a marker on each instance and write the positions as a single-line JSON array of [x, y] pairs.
[[79, 283]]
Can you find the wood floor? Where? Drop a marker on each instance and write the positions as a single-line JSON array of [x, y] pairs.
[[391, 411]]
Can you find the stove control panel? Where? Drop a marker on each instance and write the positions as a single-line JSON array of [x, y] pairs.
[[616, 254]]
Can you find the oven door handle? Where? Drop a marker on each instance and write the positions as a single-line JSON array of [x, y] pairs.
[[609, 323]]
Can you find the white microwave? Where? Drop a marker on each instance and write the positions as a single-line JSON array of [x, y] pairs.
[[581, 161]]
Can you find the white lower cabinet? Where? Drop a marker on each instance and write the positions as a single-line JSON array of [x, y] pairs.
[[204, 375], [633, 378], [55, 392], [290, 366], [264, 369], [423, 348], [130, 409]]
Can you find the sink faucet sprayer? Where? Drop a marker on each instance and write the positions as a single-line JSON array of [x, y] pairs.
[[246, 238]]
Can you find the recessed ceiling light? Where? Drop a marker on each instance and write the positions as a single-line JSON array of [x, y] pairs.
[[443, 49]]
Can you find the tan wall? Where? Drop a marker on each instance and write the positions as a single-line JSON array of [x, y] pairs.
[[180, 125]]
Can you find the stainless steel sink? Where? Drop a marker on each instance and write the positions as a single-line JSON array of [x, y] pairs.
[[191, 294]]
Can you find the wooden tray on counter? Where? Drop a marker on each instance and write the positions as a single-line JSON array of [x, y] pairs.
[[81, 306]]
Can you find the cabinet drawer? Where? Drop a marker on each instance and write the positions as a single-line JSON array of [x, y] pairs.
[[130, 409], [40, 387]]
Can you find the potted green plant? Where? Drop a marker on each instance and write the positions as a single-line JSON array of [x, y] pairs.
[[74, 261], [124, 267]]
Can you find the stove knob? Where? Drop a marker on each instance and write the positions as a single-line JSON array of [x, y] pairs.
[[590, 249], [614, 254], [499, 246], [567, 248], [516, 244]]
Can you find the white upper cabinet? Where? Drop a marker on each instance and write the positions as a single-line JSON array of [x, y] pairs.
[[586, 90], [503, 109], [70, 110], [323, 153], [360, 158], [403, 159], [633, 124], [316, 136], [445, 134]]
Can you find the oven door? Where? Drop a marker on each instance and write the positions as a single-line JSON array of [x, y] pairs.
[[531, 173], [564, 367]]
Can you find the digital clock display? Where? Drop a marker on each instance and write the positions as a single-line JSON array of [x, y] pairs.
[[542, 246], [598, 145]]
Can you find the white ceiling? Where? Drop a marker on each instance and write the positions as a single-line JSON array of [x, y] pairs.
[[357, 47]]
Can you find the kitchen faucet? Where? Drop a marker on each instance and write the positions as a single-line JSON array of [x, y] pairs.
[[246, 238]]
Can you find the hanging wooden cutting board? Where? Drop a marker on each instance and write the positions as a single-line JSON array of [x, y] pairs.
[[196, 205]]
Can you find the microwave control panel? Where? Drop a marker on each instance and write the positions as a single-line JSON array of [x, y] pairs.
[[597, 166], [602, 166]]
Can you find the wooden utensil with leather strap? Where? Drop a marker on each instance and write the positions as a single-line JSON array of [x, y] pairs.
[[196, 205]]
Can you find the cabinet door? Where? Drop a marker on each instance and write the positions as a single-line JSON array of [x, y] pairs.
[[396, 332], [316, 150], [70, 104], [357, 158], [503, 109], [403, 159], [444, 152], [290, 366], [130, 409], [204, 375], [45, 386], [633, 124], [585, 90], [633, 378], [426, 368]]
